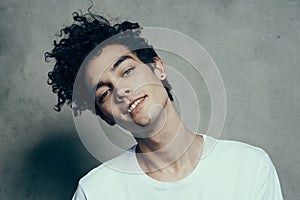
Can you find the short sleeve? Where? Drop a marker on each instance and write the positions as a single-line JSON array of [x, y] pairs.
[[79, 194], [269, 187]]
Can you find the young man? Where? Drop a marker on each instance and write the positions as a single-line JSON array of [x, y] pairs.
[[128, 86]]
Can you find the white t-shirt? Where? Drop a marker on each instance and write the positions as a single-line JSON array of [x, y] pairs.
[[231, 170]]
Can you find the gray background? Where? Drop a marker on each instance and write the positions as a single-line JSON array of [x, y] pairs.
[[255, 44]]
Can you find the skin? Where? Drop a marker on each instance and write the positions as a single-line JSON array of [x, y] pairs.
[[167, 150]]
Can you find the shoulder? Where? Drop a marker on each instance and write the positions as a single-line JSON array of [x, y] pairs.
[[247, 167], [103, 180], [228, 151], [235, 157], [237, 148], [108, 173], [102, 173]]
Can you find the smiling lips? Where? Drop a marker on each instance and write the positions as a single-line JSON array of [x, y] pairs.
[[133, 106]]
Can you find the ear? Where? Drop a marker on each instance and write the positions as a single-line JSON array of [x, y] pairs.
[[160, 69]]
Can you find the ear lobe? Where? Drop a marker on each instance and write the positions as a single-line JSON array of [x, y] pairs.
[[160, 69]]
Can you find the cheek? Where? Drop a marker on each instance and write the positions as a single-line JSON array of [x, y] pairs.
[[161, 93], [111, 109], [106, 108], [145, 79]]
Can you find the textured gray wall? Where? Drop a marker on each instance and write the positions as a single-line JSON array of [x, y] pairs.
[[255, 44]]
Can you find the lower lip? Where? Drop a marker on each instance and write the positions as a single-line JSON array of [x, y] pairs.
[[137, 108]]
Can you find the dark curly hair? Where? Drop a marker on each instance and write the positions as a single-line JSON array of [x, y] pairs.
[[80, 38]]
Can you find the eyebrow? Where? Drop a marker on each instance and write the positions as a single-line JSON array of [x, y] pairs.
[[120, 60], [116, 64], [100, 84]]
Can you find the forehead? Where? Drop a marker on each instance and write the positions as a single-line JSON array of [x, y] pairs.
[[103, 62]]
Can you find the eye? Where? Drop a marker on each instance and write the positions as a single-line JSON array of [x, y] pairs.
[[128, 71], [104, 95]]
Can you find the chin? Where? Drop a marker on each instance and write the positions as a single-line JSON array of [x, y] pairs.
[[136, 125], [145, 121], [150, 117]]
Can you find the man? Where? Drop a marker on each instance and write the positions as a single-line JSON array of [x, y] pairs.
[[128, 86]]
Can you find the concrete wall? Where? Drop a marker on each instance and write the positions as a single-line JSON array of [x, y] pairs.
[[255, 44]]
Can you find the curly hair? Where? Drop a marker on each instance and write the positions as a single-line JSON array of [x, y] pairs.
[[76, 41]]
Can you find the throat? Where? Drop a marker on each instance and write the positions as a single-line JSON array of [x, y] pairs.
[[170, 151], [170, 165]]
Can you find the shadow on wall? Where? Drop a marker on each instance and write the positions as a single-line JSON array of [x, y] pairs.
[[56, 164]]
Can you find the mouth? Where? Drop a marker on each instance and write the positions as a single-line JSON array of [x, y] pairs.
[[134, 105]]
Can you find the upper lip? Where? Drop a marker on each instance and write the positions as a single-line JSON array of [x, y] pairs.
[[132, 100]]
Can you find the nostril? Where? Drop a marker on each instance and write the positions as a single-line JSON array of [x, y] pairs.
[[123, 92], [127, 91]]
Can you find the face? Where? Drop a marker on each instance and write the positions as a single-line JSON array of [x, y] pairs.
[[126, 89]]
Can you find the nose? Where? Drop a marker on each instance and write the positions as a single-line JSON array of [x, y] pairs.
[[123, 92]]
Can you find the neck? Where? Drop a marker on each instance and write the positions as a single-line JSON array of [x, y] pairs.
[[169, 145]]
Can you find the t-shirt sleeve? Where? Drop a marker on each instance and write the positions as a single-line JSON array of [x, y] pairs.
[[79, 194], [269, 185]]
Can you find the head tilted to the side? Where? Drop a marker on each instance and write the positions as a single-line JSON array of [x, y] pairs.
[[77, 41]]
